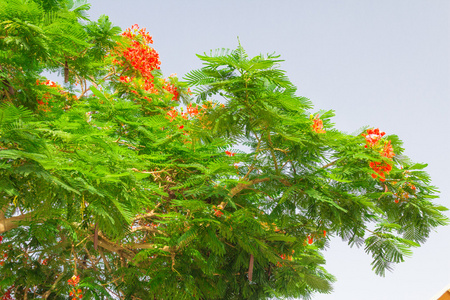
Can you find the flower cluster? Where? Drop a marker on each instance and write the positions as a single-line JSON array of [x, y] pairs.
[[380, 169], [171, 89], [134, 32], [143, 59], [388, 150], [192, 111], [372, 137], [374, 140], [318, 125], [75, 293]]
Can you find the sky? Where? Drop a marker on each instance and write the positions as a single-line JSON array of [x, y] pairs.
[[377, 63]]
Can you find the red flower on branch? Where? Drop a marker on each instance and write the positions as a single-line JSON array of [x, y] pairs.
[[388, 150], [74, 280], [172, 114], [318, 125], [380, 168], [373, 136], [217, 212], [229, 153], [192, 111]]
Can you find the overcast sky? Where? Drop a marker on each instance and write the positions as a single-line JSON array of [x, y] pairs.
[[383, 63]]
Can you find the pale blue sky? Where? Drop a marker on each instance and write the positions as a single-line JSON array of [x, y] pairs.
[[383, 63]]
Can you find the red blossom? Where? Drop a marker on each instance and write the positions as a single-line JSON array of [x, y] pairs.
[[318, 125], [172, 114], [171, 89], [373, 136], [217, 212], [142, 58], [388, 150], [381, 168], [74, 280], [192, 111], [229, 153]]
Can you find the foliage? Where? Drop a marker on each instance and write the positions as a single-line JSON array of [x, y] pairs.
[[120, 184]]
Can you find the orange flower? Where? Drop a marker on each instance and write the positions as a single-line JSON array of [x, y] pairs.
[[229, 153], [74, 280], [373, 136], [318, 125], [217, 212], [171, 89], [380, 168], [172, 114], [388, 150], [192, 111]]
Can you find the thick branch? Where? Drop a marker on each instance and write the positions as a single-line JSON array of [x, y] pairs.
[[13, 222], [47, 293], [147, 215], [147, 228], [242, 186]]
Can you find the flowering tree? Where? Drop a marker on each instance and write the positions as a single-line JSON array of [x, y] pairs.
[[124, 184]]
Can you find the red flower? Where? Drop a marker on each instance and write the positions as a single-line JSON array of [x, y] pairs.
[[74, 280], [388, 150], [229, 153], [380, 168], [172, 114], [318, 125], [192, 111], [310, 240], [181, 127], [373, 136], [171, 89], [217, 212], [125, 79]]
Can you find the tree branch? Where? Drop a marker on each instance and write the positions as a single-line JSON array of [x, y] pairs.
[[13, 222]]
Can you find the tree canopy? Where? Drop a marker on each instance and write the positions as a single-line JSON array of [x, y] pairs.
[[123, 184]]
